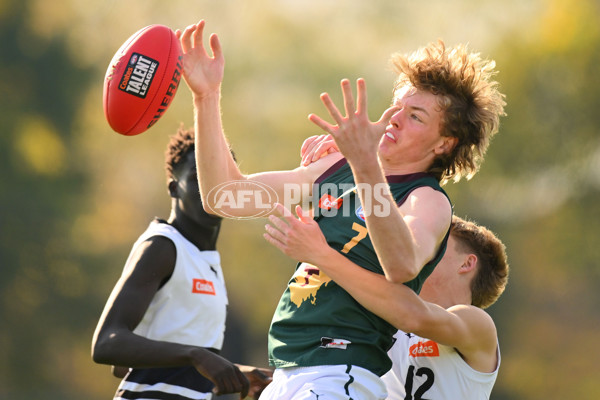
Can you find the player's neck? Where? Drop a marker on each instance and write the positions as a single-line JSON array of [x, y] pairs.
[[446, 298], [390, 168], [203, 236]]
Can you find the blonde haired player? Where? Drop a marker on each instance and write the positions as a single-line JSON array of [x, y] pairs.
[[443, 115]]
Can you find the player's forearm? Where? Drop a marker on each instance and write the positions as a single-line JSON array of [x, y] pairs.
[[128, 349], [394, 302], [214, 161], [391, 237]]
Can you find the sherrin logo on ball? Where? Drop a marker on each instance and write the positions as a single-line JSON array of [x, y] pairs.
[[142, 80]]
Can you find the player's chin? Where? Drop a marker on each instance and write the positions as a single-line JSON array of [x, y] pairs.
[[384, 147]]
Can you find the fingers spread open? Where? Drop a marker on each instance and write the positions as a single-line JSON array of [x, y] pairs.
[[387, 114], [303, 216], [321, 123], [331, 108], [198, 34], [274, 234], [361, 93], [215, 46], [186, 38], [348, 98]]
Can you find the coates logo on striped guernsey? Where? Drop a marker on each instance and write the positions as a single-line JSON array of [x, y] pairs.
[[428, 348], [203, 286]]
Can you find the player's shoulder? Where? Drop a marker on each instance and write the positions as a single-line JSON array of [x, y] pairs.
[[429, 206], [155, 249], [429, 194], [160, 234], [479, 345], [479, 322], [428, 202]]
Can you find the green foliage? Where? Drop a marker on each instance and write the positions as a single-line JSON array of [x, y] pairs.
[[41, 277], [75, 195]]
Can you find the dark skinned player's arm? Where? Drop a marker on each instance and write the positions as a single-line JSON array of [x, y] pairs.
[[114, 342]]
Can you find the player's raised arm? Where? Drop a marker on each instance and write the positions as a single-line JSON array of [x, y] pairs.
[[225, 190]]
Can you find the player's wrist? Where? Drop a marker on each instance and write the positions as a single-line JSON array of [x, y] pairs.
[[206, 97], [366, 166], [328, 260], [197, 355]]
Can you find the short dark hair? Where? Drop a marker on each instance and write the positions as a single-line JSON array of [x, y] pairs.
[[180, 144], [492, 263]]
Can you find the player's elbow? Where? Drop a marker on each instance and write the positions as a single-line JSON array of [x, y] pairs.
[[103, 349], [403, 272], [408, 275], [100, 353]]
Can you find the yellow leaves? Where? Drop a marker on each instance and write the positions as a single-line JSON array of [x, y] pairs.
[[567, 24], [40, 147]]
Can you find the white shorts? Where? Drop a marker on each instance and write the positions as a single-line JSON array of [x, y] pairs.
[[325, 382]]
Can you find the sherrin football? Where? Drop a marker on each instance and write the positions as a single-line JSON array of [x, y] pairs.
[[142, 79]]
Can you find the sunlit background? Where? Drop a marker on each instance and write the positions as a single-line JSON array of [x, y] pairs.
[[75, 195]]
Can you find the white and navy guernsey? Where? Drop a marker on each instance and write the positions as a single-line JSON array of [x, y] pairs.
[[424, 369], [190, 308]]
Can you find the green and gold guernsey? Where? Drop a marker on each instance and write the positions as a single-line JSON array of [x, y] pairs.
[[316, 321]]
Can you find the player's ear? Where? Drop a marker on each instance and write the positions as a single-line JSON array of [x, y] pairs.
[[447, 144], [172, 187], [469, 264]]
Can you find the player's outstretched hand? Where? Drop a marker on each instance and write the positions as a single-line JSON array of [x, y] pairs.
[[355, 135], [225, 375], [202, 72]]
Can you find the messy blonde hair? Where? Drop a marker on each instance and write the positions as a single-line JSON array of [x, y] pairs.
[[468, 96]]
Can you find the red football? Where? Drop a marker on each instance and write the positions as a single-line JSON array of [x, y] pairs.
[[142, 79]]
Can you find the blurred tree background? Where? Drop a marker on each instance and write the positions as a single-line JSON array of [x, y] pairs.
[[75, 195]]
